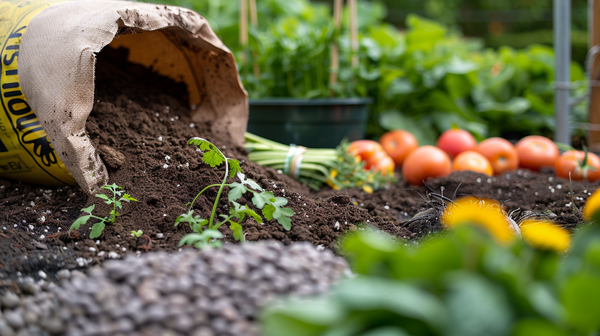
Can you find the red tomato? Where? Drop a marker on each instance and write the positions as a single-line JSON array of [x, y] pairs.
[[398, 144], [385, 165], [569, 162], [364, 149], [456, 141], [375, 158], [472, 161], [425, 162], [502, 154], [536, 151]]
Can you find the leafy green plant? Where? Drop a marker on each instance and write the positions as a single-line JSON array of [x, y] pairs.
[[137, 233], [272, 207], [459, 283], [118, 195]]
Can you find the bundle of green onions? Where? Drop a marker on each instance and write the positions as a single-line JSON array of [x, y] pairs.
[[315, 166]]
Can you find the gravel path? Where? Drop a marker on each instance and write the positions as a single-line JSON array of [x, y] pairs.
[[197, 293]]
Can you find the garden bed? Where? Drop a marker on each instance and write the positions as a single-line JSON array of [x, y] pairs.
[[141, 132]]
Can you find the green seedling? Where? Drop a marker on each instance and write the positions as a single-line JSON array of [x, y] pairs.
[[137, 233], [205, 230], [118, 195]]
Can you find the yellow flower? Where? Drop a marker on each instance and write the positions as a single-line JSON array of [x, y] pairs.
[[333, 173], [479, 212], [332, 185], [367, 188], [545, 235], [592, 205]]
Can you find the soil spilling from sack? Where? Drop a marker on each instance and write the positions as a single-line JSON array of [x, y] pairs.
[[140, 125]]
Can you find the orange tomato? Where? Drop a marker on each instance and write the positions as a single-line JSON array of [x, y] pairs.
[[425, 162], [472, 161], [364, 149], [385, 165], [456, 141], [569, 162], [380, 155], [397, 144], [502, 154], [536, 151]]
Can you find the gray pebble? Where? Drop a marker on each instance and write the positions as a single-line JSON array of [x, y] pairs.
[[9, 300], [5, 329], [14, 319], [63, 274]]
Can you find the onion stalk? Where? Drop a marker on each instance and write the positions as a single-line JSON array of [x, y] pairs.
[[314, 166]]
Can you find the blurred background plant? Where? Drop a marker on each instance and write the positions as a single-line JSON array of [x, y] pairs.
[[423, 79], [460, 282]]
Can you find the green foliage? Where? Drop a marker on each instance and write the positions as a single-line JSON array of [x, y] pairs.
[[137, 233], [423, 80], [271, 206], [118, 195], [459, 283]]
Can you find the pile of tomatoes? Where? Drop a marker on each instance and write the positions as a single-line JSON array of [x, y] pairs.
[[458, 150]]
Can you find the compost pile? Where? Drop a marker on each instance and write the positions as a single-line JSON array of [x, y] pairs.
[[140, 125], [213, 292]]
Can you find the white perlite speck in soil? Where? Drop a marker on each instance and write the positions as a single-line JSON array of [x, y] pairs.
[[209, 292]]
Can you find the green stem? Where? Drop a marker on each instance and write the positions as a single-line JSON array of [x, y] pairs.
[[223, 222], [114, 216], [214, 209], [203, 190]]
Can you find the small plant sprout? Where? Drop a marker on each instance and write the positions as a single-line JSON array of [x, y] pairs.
[[118, 195], [206, 230], [137, 233]]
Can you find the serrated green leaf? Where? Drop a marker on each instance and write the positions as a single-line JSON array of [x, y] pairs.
[[190, 239], [196, 222], [260, 199], [79, 222], [236, 191], [201, 240], [200, 143], [89, 209], [280, 201], [213, 158], [268, 211], [102, 196], [238, 232], [238, 211], [285, 222], [253, 185], [97, 230], [128, 198], [118, 204], [234, 167]]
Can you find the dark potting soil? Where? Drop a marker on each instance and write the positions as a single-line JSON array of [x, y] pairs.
[[140, 125]]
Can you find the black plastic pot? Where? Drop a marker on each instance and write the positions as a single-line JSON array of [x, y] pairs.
[[317, 123]]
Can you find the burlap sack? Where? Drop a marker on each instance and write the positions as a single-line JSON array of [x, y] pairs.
[[56, 71]]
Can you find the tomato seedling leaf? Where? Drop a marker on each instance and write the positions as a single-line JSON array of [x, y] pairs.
[[79, 222], [234, 167], [97, 230], [213, 158]]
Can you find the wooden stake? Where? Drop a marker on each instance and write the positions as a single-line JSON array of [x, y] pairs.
[[243, 26], [594, 135], [335, 51], [254, 23], [354, 32]]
